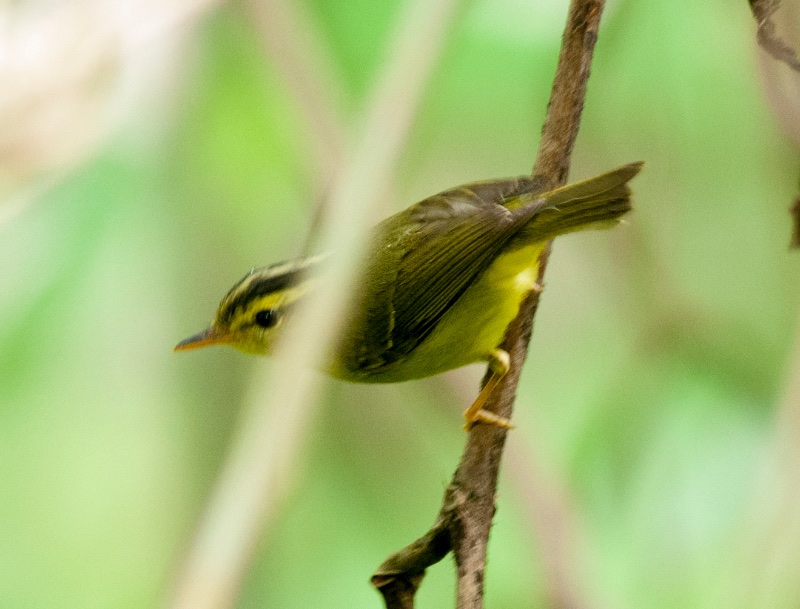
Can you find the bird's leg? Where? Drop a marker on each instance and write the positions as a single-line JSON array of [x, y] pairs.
[[499, 365]]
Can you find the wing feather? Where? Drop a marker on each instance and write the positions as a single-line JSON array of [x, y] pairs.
[[422, 261]]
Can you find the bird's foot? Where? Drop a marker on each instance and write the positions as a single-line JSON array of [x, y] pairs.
[[490, 418]]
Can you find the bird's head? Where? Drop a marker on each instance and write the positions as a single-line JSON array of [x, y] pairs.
[[251, 315]]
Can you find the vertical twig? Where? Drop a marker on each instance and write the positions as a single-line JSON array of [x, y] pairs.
[[466, 516]]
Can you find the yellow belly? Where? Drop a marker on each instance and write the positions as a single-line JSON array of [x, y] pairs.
[[475, 324]]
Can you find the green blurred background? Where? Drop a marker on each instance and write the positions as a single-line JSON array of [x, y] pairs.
[[151, 155]]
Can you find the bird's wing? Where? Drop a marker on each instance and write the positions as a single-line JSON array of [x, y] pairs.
[[422, 261]]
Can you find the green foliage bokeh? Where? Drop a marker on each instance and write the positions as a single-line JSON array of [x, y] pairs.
[[659, 357]]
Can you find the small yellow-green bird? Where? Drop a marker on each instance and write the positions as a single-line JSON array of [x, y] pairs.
[[441, 281]]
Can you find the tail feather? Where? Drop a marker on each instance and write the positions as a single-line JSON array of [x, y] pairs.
[[594, 203]]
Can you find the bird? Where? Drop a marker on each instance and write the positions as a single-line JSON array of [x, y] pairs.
[[439, 284]]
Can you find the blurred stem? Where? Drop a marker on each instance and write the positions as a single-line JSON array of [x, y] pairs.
[[781, 87], [296, 48], [764, 573], [295, 45], [763, 11], [271, 436], [469, 502], [555, 522]]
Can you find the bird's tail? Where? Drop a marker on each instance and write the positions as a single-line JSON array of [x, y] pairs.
[[598, 202]]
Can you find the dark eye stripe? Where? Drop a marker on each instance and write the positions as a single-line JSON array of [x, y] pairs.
[[262, 282]]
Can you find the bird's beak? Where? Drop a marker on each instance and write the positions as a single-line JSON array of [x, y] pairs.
[[209, 336]]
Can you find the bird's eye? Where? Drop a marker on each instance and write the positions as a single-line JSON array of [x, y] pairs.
[[266, 318]]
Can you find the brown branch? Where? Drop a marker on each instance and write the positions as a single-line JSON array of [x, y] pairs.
[[763, 10], [466, 516]]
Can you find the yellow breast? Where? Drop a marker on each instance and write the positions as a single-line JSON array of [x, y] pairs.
[[476, 323]]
